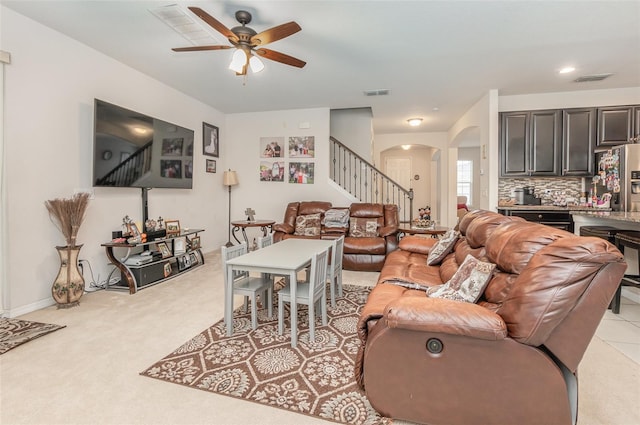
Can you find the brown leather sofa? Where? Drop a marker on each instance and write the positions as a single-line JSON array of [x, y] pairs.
[[360, 253], [510, 358]]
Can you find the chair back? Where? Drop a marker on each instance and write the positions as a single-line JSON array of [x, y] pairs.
[[318, 274], [264, 241], [336, 254], [232, 252]]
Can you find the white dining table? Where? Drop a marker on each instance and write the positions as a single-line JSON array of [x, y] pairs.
[[287, 257]]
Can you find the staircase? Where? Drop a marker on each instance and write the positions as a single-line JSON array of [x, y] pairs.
[[365, 182]]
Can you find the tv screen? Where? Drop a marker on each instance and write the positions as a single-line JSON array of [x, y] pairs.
[[135, 150]]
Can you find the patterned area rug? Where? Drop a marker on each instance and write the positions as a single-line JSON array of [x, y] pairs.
[[14, 332], [315, 379]]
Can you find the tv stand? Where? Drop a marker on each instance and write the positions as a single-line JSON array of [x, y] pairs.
[[172, 264]]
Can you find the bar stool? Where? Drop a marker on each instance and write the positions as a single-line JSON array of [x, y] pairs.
[[607, 233], [629, 239]]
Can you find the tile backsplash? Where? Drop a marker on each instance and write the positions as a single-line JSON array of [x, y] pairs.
[[545, 188]]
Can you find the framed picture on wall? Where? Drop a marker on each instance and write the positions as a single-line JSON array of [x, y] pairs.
[[210, 140], [272, 147], [301, 172], [302, 147], [211, 165]]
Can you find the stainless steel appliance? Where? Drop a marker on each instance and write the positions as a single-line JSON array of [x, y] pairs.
[[526, 196], [619, 174]]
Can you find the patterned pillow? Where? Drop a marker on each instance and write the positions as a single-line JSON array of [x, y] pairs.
[[336, 218], [308, 225], [443, 247], [468, 282], [363, 228]]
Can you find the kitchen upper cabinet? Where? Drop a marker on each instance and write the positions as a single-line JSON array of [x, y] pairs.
[[578, 141], [615, 125], [530, 143]]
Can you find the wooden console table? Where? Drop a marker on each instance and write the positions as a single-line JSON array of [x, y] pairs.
[[264, 225], [434, 232]]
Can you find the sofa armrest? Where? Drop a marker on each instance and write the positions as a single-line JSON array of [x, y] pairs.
[[388, 230], [284, 228], [417, 244], [445, 316]]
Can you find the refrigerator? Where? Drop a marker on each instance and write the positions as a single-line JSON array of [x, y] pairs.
[[618, 173]]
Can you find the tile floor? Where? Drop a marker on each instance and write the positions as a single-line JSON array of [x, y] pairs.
[[622, 331]]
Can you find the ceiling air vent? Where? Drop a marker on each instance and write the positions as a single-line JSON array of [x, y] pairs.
[[379, 92], [592, 77]]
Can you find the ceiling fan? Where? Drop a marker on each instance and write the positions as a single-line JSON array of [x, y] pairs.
[[248, 42]]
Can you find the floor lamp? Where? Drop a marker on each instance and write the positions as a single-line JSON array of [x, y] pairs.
[[230, 178]]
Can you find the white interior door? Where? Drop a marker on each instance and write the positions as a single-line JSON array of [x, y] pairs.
[[399, 170]]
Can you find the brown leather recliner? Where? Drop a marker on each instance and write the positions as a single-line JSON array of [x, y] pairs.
[[511, 358], [287, 228], [369, 253]]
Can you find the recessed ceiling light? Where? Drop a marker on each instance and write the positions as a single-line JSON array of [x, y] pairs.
[[566, 70], [414, 122], [436, 109], [406, 147]]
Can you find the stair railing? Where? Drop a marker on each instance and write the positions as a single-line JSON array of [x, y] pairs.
[[365, 182]]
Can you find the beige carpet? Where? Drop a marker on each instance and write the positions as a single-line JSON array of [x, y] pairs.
[[315, 378], [14, 332], [89, 372]]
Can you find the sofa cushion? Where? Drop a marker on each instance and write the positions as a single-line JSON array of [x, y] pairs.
[[467, 284], [308, 225], [363, 228], [373, 246], [443, 247]]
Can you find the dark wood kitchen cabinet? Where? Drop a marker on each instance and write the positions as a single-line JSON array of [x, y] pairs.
[[616, 125], [560, 218], [578, 141], [530, 143]]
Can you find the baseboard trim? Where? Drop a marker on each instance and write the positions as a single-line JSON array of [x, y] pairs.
[[631, 294], [38, 305]]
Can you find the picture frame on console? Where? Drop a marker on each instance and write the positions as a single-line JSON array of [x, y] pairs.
[[179, 246], [210, 140], [195, 242], [167, 269], [164, 249], [173, 227]]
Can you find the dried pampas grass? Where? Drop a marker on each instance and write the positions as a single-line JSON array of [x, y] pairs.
[[68, 214]]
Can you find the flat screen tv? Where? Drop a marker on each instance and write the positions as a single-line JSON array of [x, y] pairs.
[[135, 150]]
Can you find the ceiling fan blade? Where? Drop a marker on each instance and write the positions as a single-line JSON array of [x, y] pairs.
[[275, 33], [199, 48], [213, 22], [280, 57]]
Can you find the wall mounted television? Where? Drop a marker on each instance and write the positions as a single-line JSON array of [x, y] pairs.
[[131, 149]]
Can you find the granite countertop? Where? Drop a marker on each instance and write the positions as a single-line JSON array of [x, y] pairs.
[[552, 208], [632, 217]]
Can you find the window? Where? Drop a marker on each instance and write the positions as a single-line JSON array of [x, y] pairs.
[[465, 174]]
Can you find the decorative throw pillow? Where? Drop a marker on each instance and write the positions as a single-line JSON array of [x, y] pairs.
[[468, 282], [308, 225], [443, 247], [363, 228], [336, 218]]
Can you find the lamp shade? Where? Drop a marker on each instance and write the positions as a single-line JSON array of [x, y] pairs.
[[230, 178]]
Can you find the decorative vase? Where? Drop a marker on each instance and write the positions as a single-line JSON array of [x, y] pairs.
[[69, 285]]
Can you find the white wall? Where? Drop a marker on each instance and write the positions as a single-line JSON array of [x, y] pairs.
[[574, 99], [48, 135], [353, 127], [269, 199]]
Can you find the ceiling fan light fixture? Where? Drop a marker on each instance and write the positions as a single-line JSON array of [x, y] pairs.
[[238, 61], [256, 64], [414, 122]]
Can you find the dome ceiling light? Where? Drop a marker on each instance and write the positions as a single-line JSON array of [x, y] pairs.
[[414, 122]]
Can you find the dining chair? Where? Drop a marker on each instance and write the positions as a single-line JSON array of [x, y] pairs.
[[334, 269], [249, 286], [309, 293]]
